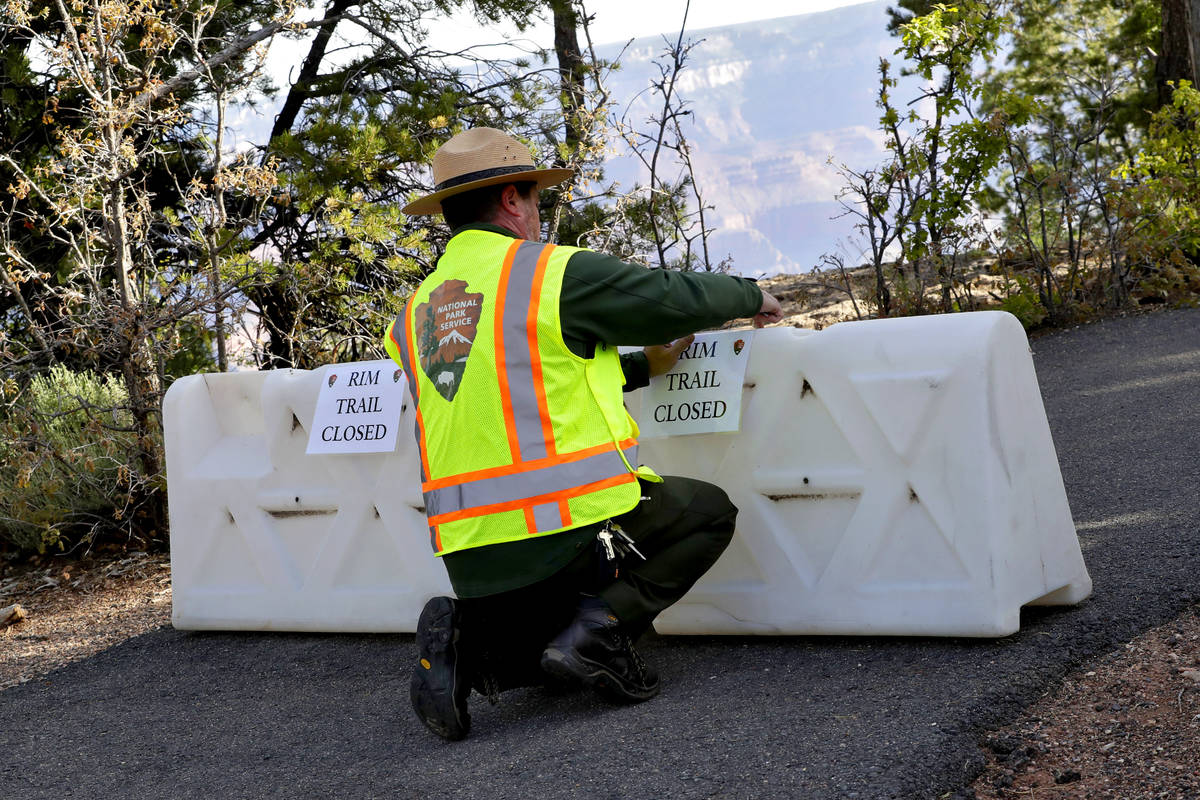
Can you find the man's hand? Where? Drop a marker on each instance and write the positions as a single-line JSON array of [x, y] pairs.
[[770, 312], [663, 357]]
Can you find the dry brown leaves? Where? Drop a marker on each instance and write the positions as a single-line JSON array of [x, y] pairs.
[[77, 610]]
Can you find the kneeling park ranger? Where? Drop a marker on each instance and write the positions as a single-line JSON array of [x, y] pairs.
[[560, 548]]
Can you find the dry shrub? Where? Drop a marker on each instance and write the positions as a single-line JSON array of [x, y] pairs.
[[66, 473]]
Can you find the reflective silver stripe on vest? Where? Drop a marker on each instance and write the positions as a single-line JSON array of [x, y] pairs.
[[518, 358], [548, 517], [534, 483], [400, 326]]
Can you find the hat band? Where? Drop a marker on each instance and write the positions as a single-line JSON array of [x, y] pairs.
[[482, 174]]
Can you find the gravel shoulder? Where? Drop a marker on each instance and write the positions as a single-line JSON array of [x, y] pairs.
[[1124, 726], [77, 608]]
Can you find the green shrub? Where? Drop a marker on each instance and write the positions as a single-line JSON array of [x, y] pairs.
[[1024, 303], [64, 474], [1160, 203]]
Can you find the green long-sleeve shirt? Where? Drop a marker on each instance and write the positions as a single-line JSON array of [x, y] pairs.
[[604, 301]]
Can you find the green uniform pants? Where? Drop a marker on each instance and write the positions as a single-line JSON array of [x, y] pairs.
[[681, 526]]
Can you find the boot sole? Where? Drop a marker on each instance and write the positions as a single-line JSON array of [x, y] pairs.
[[434, 704], [567, 665]]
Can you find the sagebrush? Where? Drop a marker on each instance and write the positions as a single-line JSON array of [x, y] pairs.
[[65, 476]]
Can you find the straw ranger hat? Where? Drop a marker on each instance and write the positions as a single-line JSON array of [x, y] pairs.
[[477, 158]]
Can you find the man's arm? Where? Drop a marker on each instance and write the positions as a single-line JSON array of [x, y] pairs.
[[606, 300]]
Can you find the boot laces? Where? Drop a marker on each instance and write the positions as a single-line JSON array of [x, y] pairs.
[[491, 689], [487, 678], [635, 658]]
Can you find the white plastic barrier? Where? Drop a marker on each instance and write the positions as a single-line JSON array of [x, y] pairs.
[[893, 476], [265, 537]]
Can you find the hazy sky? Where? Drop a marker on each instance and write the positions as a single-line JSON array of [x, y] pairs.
[[614, 21], [839, 126], [620, 20]]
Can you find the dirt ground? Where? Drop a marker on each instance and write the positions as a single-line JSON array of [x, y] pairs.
[[1124, 727], [817, 300], [76, 609]]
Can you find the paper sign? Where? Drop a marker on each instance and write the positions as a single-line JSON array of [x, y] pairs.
[[703, 393], [358, 410]]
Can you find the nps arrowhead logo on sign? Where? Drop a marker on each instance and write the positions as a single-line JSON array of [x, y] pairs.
[[445, 330]]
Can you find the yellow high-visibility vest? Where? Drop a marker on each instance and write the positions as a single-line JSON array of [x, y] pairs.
[[519, 437]]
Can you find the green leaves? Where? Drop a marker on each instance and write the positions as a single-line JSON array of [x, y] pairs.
[[1092, 198], [952, 38], [1160, 198], [942, 158]]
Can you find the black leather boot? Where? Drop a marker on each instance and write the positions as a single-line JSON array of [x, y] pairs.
[[441, 679], [595, 650]]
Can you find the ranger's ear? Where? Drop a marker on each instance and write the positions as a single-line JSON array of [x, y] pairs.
[[510, 199]]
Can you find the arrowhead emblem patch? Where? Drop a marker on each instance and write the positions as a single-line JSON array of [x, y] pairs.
[[445, 331]]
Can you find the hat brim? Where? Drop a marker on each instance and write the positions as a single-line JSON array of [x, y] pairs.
[[432, 203]]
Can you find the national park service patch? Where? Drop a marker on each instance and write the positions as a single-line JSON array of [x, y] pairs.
[[445, 328]]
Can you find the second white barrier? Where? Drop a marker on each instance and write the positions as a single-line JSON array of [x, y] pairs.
[[893, 477]]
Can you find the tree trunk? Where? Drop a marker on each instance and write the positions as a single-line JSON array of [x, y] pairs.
[[1176, 55], [212, 237], [135, 365], [571, 69], [571, 72], [274, 301], [278, 309], [883, 296], [1194, 31]]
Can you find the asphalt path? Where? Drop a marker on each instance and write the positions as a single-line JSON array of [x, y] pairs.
[[235, 715]]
